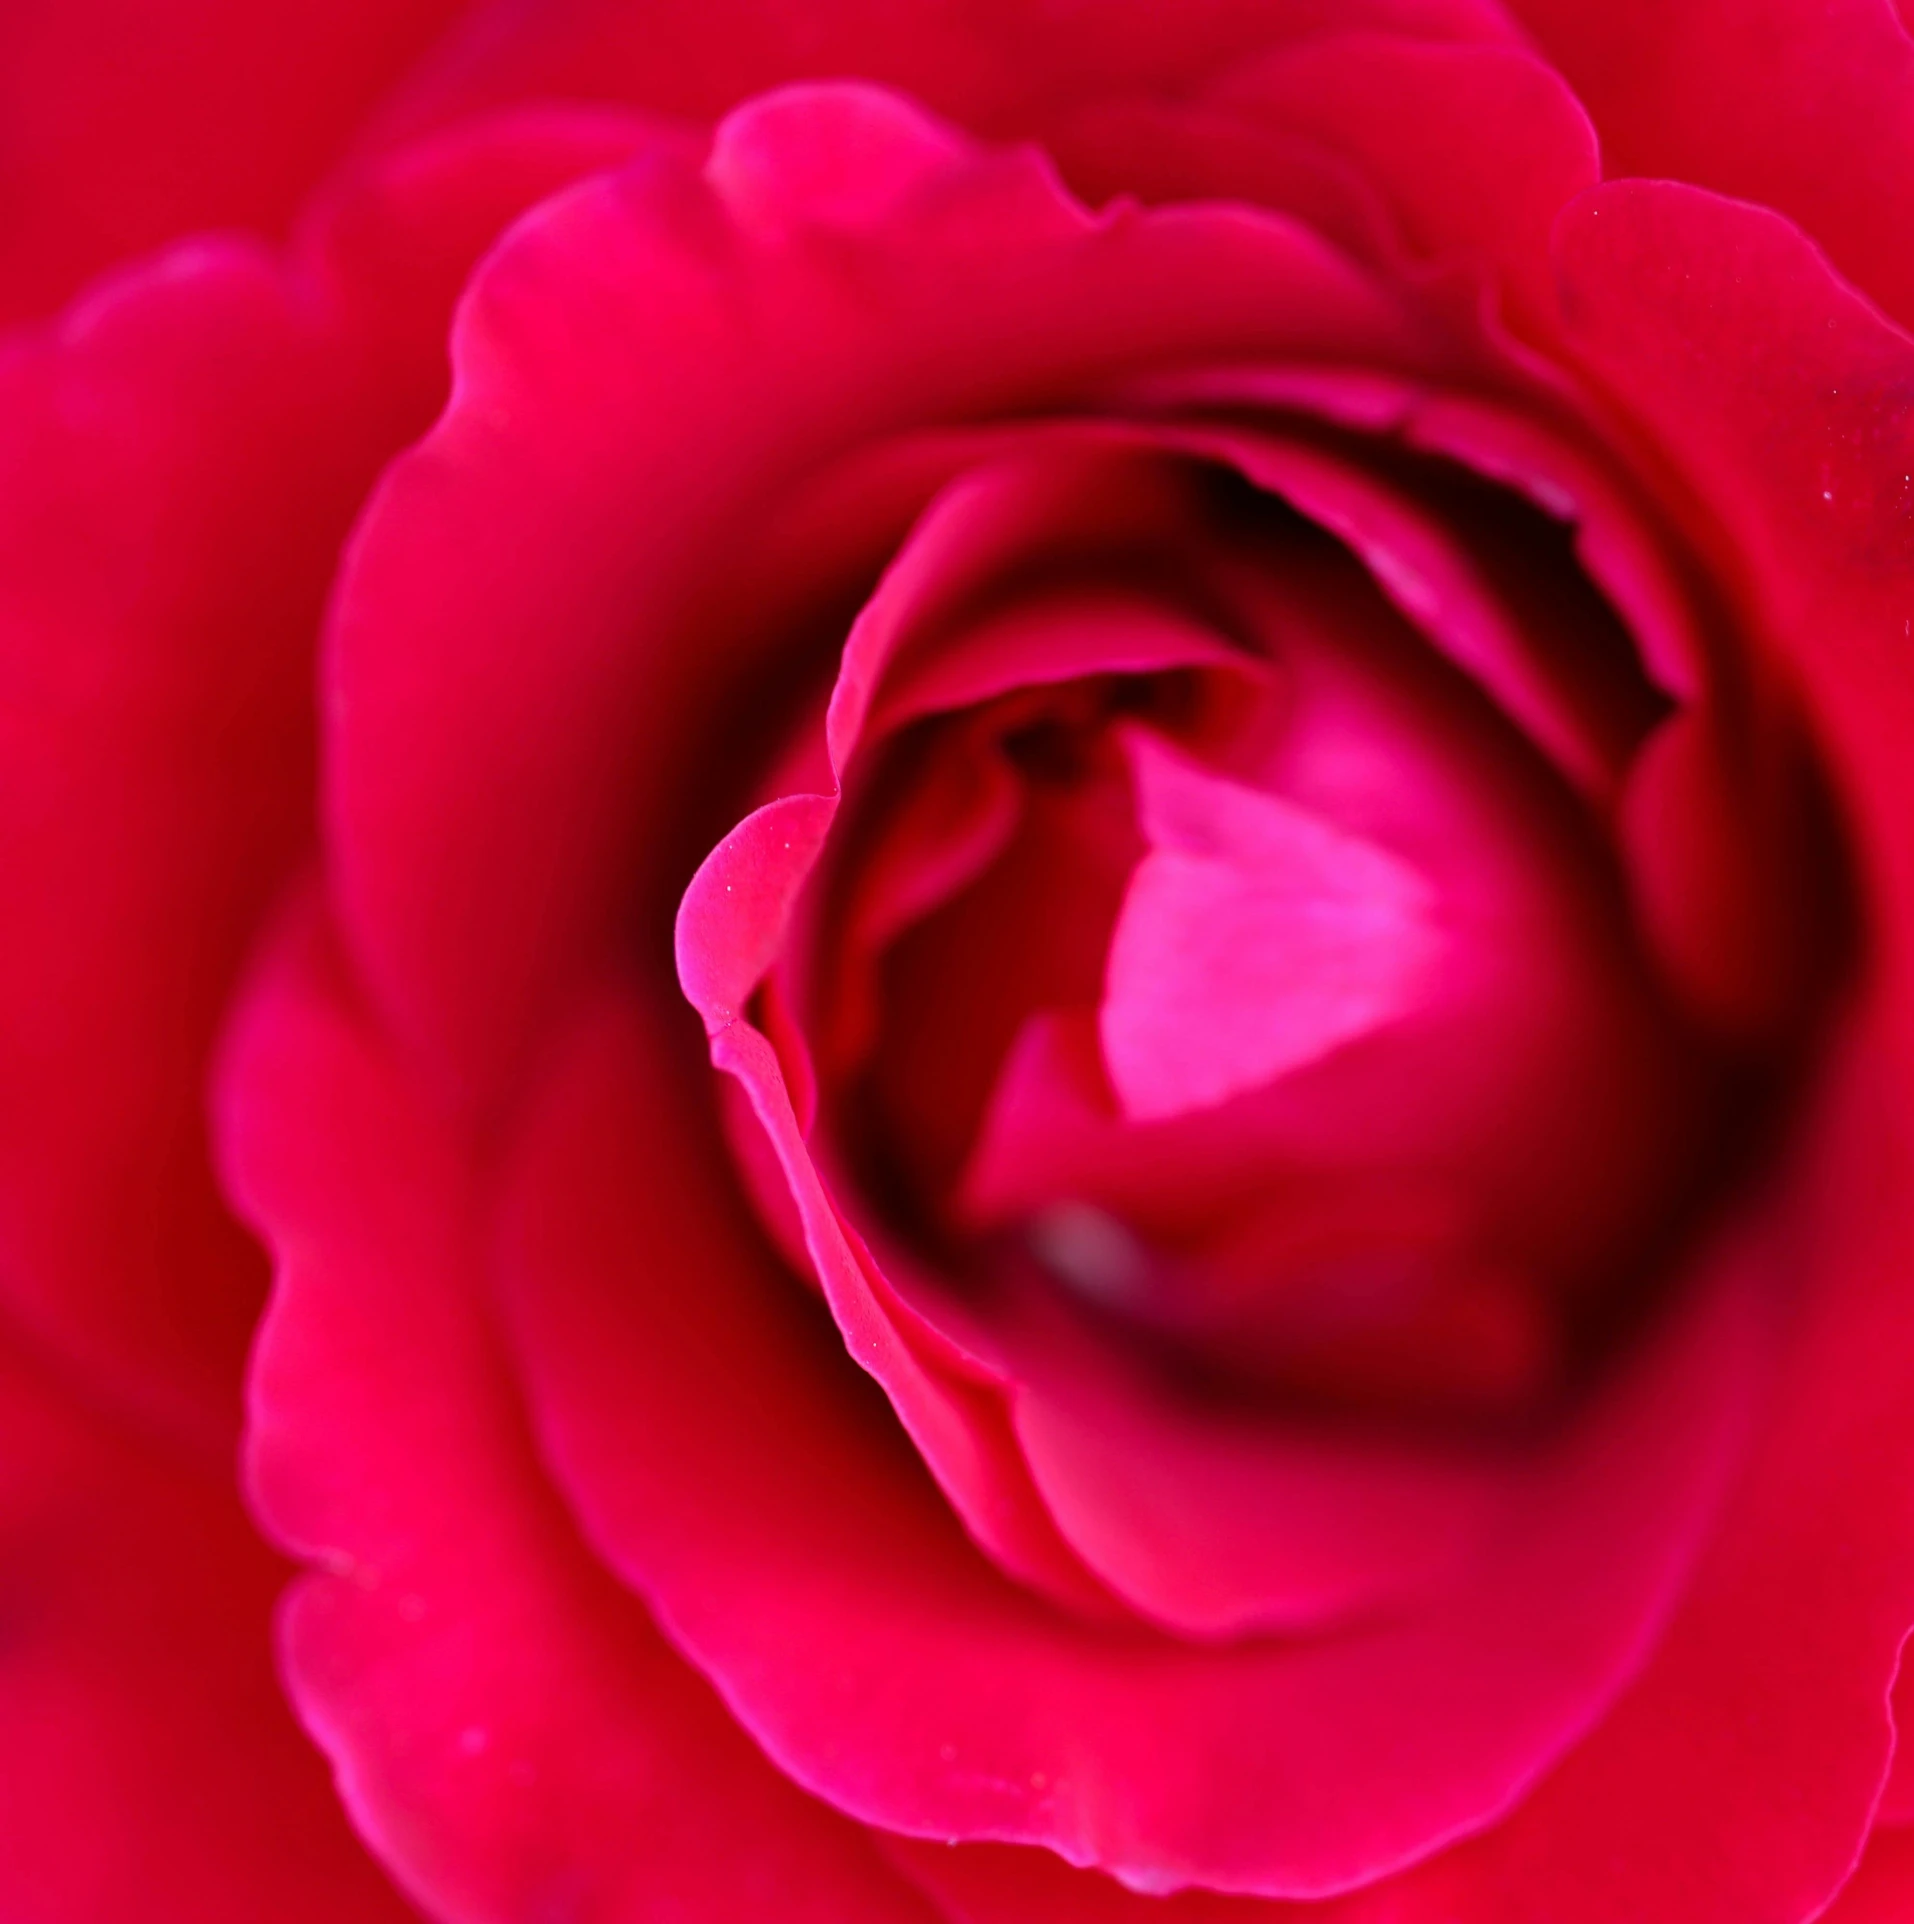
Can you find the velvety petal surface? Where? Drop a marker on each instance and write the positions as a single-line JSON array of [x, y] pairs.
[[936, 1697], [179, 462], [510, 1733], [128, 124], [149, 1765], [1799, 104], [177, 478], [1003, 67], [1882, 1890], [1431, 127], [649, 372]]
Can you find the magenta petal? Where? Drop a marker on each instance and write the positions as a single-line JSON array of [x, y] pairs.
[[1803, 108], [1452, 595], [961, 1427], [149, 1766], [1005, 67], [1254, 938], [1046, 640], [1882, 1888], [531, 633], [1784, 398], [1432, 127], [814, 1571], [128, 124], [1223, 1524], [732, 921], [177, 464], [1897, 1795], [511, 1734]]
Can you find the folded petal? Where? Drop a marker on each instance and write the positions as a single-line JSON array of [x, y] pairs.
[[511, 1734], [532, 644], [934, 1696]]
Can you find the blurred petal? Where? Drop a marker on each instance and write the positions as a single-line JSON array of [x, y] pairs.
[[149, 1766], [128, 123]]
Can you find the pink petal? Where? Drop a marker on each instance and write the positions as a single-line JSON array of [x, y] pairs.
[[1255, 937], [510, 1733], [1800, 104], [531, 635], [814, 1570], [180, 464], [149, 1766], [128, 124]]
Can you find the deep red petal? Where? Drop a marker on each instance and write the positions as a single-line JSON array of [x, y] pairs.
[[1435, 130], [1882, 1890], [1001, 67], [178, 466]]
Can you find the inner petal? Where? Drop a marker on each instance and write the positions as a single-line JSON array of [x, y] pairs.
[[1254, 937]]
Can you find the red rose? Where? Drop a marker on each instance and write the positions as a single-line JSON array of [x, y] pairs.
[[1252, 664]]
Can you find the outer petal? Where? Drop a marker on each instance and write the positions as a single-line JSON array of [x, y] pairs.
[[1399, 146], [176, 483], [510, 1732], [1882, 1890], [1786, 403], [999, 66], [178, 467], [127, 123], [1801, 104], [149, 1767]]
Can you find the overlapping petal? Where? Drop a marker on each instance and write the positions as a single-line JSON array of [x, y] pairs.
[[511, 1735], [651, 374], [128, 125]]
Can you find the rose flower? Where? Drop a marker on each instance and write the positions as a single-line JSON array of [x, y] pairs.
[[958, 962]]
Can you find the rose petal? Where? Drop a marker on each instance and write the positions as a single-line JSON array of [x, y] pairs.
[[1003, 67], [1254, 937], [177, 477], [1882, 1889], [1432, 127], [179, 464], [641, 371], [149, 1766], [1803, 107], [128, 124], [860, 1637], [511, 1734]]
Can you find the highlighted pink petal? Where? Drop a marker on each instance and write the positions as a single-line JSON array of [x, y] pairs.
[[1255, 938]]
